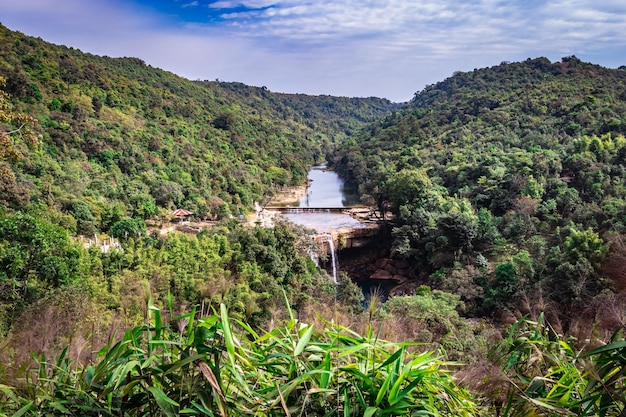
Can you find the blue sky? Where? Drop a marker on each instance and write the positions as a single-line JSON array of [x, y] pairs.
[[383, 48]]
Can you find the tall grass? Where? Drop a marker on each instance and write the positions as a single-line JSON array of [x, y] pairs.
[[222, 367], [543, 374]]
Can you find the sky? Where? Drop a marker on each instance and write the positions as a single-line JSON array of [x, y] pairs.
[[354, 48]]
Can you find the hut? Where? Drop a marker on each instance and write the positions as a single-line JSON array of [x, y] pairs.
[[181, 215]]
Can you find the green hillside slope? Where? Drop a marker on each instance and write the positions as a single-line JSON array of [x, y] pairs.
[[506, 186], [116, 135], [507, 182], [92, 145]]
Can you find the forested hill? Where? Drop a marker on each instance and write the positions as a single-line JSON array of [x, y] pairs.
[[508, 194], [518, 169], [117, 138]]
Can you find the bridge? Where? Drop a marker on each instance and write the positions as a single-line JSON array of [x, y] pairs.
[[303, 210], [356, 229]]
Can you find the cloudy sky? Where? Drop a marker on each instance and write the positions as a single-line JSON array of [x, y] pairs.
[[383, 48]]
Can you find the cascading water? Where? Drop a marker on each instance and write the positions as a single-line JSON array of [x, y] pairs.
[[333, 257], [321, 240]]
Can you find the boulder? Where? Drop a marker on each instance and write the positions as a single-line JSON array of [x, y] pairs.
[[391, 269], [381, 274]]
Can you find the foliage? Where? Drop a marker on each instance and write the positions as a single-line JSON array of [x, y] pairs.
[[218, 366], [117, 131], [431, 318], [524, 157], [15, 127], [545, 374], [126, 228], [34, 255], [504, 183]]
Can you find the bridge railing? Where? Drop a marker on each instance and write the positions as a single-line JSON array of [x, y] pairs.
[[297, 210]]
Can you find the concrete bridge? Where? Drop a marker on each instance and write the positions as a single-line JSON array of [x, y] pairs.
[[302, 210], [366, 225]]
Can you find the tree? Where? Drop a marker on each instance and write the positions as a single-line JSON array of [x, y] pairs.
[[13, 125], [585, 244], [575, 276], [225, 121], [459, 224], [430, 317], [411, 186], [505, 285], [128, 228], [11, 193], [85, 220], [34, 255]]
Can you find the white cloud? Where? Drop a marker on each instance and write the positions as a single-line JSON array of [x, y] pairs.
[[251, 4], [387, 48]]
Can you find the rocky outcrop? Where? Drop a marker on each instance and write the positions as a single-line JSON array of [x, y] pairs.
[[392, 269], [351, 237]]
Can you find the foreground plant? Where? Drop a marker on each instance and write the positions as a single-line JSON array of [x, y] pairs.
[[334, 371], [218, 367], [546, 376]]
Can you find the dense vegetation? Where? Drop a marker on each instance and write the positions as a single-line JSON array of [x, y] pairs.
[[506, 196], [98, 147], [117, 138], [507, 186]]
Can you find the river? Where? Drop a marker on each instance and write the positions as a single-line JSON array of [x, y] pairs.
[[326, 189]]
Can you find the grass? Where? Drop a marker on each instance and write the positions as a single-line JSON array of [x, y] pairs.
[[223, 367]]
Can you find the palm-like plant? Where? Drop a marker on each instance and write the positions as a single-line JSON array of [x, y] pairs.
[[297, 370], [219, 367]]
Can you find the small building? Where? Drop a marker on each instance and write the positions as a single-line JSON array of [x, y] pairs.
[[181, 215]]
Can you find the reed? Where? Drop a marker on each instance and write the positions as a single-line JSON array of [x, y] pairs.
[[219, 366]]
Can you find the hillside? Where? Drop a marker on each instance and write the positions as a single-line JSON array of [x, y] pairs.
[[508, 186], [116, 135], [99, 146]]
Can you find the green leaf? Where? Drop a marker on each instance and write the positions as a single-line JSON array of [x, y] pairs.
[[383, 389], [228, 336], [23, 410], [128, 387], [303, 341], [392, 358], [347, 410], [291, 317], [119, 375], [607, 348], [393, 392], [164, 402], [325, 377], [179, 364], [370, 411], [58, 405], [170, 302], [406, 390], [89, 373]]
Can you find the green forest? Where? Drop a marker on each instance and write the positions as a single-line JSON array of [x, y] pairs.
[[501, 188]]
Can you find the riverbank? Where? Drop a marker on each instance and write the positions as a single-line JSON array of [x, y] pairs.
[[289, 196]]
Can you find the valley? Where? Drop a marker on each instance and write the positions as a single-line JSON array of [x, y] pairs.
[[475, 269]]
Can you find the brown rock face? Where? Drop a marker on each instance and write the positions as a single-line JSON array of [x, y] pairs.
[[382, 263], [381, 274], [391, 269]]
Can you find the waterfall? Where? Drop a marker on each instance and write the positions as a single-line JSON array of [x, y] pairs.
[[333, 257], [321, 239]]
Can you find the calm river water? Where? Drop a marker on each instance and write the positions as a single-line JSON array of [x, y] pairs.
[[327, 190]]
